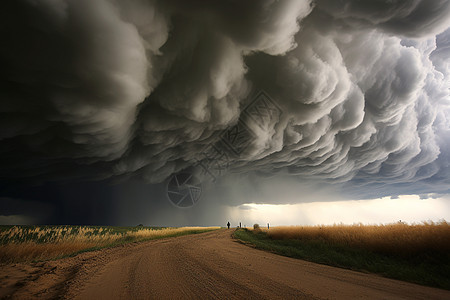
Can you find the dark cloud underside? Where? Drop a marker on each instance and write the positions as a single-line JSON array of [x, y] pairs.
[[92, 90]]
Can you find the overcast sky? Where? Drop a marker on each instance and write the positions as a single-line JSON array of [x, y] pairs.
[[320, 107]]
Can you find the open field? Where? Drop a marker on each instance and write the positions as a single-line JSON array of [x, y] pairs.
[[417, 253], [209, 265], [33, 243]]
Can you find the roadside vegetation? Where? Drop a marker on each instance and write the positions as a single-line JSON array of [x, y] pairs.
[[418, 253], [34, 243]]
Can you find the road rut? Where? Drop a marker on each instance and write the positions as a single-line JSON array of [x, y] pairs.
[[210, 265]]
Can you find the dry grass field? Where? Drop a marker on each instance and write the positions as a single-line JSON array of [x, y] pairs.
[[210, 265], [397, 239], [418, 253], [30, 243]]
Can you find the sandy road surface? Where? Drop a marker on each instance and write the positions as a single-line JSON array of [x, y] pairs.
[[202, 266]]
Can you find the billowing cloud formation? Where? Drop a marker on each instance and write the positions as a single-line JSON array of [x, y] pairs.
[[98, 89]]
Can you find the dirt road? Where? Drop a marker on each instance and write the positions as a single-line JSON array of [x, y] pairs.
[[203, 266]]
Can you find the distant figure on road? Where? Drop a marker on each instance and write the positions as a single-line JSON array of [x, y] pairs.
[[228, 225], [267, 225]]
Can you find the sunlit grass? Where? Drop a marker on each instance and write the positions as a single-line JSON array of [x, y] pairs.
[[418, 253], [29, 243], [393, 239]]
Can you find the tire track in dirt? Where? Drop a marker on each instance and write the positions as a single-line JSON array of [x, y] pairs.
[[203, 266]]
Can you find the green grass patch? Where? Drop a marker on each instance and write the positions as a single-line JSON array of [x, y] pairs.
[[427, 268]]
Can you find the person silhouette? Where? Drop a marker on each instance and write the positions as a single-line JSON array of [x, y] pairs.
[[228, 225]]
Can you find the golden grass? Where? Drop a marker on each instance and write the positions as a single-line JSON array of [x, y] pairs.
[[20, 244], [32, 251], [396, 238]]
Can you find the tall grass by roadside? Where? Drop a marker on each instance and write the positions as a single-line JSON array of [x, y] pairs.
[[398, 239], [417, 253], [30, 243]]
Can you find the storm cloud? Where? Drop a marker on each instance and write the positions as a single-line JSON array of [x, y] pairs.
[[110, 89]]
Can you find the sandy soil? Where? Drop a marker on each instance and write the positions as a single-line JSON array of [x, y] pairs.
[[203, 266]]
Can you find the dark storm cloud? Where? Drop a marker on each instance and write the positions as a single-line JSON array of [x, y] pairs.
[[24, 212], [412, 18], [98, 89]]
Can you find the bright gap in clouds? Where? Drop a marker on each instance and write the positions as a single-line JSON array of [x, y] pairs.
[[407, 208]]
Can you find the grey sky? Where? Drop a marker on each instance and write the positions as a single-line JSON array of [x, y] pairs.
[[109, 93]]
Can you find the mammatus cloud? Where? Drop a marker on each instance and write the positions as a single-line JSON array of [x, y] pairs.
[[100, 89]]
